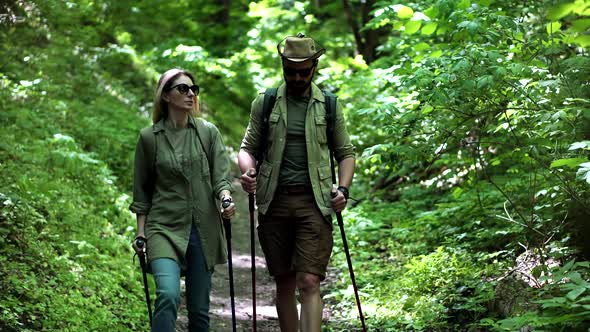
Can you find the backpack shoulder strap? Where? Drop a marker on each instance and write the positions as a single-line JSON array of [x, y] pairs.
[[270, 98], [204, 137], [330, 116]]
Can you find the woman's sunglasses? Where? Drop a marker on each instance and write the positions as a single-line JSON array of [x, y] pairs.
[[302, 72], [183, 88]]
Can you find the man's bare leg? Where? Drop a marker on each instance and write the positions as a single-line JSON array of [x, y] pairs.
[[311, 302], [286, 302]]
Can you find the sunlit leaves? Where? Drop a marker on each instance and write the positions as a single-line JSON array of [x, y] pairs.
[[583, 40], [429, 28], [583, 172], [412, 27], [403, 12], [553, 27], [580, 145], [568, 162], [561, 10]]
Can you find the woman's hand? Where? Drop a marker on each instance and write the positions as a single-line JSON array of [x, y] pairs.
[[228, 211], [140, 244]]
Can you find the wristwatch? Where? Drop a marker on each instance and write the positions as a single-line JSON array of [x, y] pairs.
[[344, 191]]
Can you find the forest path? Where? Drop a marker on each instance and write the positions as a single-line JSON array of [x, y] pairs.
[[220, 308]]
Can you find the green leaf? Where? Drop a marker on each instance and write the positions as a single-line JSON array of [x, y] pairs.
[[485, 81], [485, 3], [573, 294], [569, 162], [553, 27], [583, 172], [421, 46], [427, 109], [580, 145], [464, 4], [412, 26], [583, 40], [436, 54], [403, 12], [559, 11], [429, 28], [580, 25], [398, 25], [432, 12]]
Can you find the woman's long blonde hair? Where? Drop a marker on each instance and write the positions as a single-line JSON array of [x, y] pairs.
[[164, 84]]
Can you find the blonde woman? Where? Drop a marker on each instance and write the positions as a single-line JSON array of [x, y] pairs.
[[181, 170]]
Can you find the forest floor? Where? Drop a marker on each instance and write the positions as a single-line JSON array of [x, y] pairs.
[[220, 309]]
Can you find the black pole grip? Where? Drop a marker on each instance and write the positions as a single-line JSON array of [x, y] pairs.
[[139, 243]]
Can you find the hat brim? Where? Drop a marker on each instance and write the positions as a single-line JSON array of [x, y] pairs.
[[297, 59]]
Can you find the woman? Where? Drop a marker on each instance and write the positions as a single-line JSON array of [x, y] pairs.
[[181, 169]]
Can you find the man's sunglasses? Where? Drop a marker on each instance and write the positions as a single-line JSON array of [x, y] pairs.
[[183, 88], [302, 72]]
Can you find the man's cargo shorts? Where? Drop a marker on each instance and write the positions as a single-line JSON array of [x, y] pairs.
[[294, 234]]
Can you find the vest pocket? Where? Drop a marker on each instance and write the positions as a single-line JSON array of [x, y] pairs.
[[325, 176], [273, 120], [263, 183], [320, 124]]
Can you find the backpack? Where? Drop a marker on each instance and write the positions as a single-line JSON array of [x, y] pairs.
[[270, 97]]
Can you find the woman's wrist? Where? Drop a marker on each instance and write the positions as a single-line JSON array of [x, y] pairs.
[[224, 194]]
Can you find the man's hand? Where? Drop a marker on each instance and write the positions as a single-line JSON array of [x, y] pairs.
[[248, 181], [338, 201]]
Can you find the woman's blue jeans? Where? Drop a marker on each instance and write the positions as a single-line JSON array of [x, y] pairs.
[[198, 288]]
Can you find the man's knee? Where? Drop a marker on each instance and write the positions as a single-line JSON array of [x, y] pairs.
[[307, 282]]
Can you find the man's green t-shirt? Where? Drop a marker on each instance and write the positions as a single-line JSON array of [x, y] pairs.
[[294, 170]]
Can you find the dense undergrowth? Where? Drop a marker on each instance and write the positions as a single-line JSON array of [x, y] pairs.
[[471, 126]]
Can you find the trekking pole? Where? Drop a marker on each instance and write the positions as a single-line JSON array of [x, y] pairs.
[[251, 202], [227, 225], [140, 243], [347, 252], [349, 262]]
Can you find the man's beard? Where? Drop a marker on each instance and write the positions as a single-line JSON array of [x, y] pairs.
[[297, 87]]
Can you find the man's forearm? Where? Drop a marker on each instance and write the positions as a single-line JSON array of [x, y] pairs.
[[345, 172], [246, 161]]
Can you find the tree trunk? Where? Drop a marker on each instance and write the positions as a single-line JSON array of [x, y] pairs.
[[354, 26], [225, 12], [368, 40]]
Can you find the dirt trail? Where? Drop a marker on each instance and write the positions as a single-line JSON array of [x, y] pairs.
[[220, 310]]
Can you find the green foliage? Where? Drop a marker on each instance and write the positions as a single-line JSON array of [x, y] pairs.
[[64, 249], [418, 284], [484, 104], [471, 127], [563, 302]]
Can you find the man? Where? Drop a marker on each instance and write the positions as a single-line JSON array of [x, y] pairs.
[[294, 186]]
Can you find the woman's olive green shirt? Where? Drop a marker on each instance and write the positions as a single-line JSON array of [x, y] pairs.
[[173, 198]]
